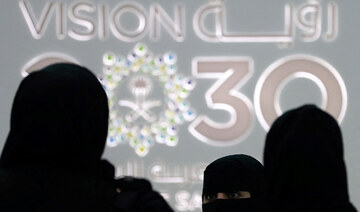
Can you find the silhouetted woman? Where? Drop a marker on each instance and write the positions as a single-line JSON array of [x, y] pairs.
[[234, 183], [51, 160], [304, 163]]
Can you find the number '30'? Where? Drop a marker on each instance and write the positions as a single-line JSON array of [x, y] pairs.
[[233, 72]]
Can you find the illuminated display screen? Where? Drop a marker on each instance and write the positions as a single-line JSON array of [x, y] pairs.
[[191, 81]]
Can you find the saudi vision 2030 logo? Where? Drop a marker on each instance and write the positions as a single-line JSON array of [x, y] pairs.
[[147, 99]]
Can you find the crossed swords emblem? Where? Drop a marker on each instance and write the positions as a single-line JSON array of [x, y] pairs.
[[140, 87]]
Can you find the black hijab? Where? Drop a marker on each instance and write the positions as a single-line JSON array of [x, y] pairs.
[[59, 118], [304, 163], [234, 173]]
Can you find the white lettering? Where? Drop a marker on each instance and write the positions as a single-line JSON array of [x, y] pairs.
[[119, 31], [37, 26], [60, 21], [311, 27], [85, 21], [176, 27]]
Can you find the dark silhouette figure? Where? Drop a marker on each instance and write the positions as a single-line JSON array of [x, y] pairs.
[[51, 160], [304, 163], [234, 183]]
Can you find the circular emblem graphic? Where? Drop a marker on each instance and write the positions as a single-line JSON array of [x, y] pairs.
[[134, 119]]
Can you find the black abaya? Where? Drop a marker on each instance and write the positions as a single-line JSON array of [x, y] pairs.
[[51, 160], [235, 173], [304, 163]]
